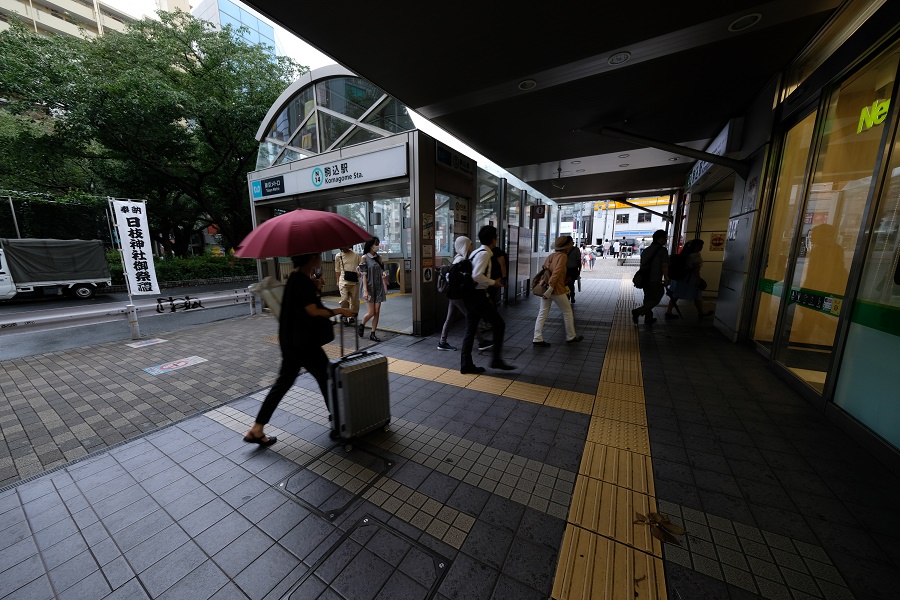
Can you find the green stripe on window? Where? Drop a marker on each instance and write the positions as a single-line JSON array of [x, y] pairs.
[[877, 316]]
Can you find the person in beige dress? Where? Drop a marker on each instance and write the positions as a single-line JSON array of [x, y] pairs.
[[346, 263]]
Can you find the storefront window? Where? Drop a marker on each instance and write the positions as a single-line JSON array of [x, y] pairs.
[[781, 231], [831, 221], [867, 385]]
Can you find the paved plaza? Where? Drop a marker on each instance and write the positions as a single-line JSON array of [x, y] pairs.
[[116, 482]]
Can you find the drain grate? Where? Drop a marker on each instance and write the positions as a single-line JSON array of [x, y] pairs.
[[330, 483], [372, 559]]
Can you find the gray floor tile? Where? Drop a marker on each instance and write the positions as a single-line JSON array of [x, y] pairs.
[[266, 571]]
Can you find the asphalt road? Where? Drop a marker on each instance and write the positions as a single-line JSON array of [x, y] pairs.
[[17, 345]]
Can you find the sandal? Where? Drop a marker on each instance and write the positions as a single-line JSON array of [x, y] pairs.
[[374, 337], [263, 440]]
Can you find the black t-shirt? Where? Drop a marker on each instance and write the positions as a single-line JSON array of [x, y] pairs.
[[496, 271], [294, 326]]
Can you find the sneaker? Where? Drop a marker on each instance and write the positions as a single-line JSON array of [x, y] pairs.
[[485, 345], [575, 339], [541, 344], [445, 346], [503, 366]]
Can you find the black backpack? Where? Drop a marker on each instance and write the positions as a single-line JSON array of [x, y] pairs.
[[460, 283]]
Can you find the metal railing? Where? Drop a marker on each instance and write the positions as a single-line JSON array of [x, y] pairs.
[[142, 307]]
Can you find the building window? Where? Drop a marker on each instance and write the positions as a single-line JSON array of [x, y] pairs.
[[622, 218], [644, 217]]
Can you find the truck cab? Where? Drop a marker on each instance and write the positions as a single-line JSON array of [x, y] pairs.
[[7, 287]]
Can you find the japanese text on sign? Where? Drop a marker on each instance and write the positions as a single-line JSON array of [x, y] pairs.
[[137, 252]]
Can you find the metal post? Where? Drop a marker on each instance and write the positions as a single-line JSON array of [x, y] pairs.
[[12, 209], [133, 322]]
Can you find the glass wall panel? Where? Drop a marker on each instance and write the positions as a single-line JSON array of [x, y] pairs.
[[832, 219], [358, 137], [514, 203], [294, 113], [553, 217], [389, 232], [785, 207], [349, 96], [392, 117], [332, 128], [267, 153], [358, 213], [487, 207], [307, 137], [868, 380], [443, 225]]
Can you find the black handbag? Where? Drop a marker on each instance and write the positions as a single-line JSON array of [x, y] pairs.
[[323, 330], [351, 276]]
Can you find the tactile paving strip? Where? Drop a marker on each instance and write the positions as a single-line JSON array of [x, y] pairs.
[[609, 510], [621, 410], [626, 469], [629, 393], [489, 385], [529, 392], [619, 434], [574, 401], [592, 566]]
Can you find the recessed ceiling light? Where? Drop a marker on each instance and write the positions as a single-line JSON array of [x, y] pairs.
[[745, 22], [625, 165], [619, 58], [527, 84], [580, 171], [576, 162], [623, 156], [674, 158]]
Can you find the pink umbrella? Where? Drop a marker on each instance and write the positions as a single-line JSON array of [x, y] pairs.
[[301, 231]]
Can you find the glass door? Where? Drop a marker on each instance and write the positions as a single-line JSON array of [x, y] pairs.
[[785, 208], [831, 221]]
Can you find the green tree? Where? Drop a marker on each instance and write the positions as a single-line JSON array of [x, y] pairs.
[[166, 111]]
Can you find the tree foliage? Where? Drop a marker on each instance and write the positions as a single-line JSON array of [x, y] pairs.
[[166, 111]]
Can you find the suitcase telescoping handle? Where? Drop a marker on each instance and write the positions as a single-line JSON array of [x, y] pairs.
[[355, 336]]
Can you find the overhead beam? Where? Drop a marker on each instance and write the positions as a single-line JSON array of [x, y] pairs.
[[741, 167]]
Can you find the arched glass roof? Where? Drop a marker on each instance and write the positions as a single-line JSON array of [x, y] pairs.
[[328, 114]]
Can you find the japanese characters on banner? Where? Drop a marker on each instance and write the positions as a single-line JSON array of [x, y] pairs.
[[137, 253]]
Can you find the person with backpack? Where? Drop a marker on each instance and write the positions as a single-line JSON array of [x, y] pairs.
[[556, 293], [479, 305], [684, 271], [655, 268], [455, 292]]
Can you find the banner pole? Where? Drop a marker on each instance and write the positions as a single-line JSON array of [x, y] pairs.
[[132, 310]]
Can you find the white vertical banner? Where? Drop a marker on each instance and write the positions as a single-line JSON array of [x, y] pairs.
[[137, 251]]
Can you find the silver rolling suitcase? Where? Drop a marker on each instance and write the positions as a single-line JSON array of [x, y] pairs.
[[358, 392]]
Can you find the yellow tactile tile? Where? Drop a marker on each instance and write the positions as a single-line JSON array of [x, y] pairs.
[[621, 376], [609, 510], [619, 391], [401, 367], [490, 385], [592, 567], [529, 392], [621, 410], [455, 378], [426, 372], [619, 434], [574, 401], [620, 467]]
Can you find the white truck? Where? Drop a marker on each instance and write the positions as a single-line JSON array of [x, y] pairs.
[[32, 267]]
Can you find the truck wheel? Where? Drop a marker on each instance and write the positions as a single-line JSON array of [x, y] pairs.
[[83, 291]]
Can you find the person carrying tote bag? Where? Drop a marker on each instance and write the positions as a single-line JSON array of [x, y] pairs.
[[556, 294]]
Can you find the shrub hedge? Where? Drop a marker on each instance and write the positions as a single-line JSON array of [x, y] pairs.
[[182, 269]]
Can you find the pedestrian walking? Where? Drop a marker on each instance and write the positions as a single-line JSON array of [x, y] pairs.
[[687, 284], [302, 313], [346, 266], [556, 294], [573, 269], [592, 257], [655, 264], [374, 286], [616, 248], [479, 306], [457, 306]]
